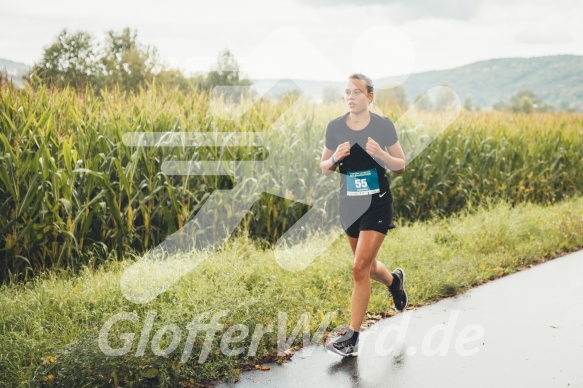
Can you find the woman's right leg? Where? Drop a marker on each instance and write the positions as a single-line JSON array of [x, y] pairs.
[[378, 271]]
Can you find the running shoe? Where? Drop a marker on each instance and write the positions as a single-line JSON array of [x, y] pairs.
[[343, 345], [399, 294]]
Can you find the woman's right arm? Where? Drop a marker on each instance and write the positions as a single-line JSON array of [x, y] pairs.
[[326, 164], [342, 151]]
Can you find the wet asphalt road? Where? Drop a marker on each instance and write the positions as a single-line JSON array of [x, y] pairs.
[[523, 330]]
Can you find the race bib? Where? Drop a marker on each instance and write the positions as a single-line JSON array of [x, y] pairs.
[[362, 182]]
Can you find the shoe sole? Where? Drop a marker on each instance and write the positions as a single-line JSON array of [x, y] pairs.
[[342, 354], [404, 281]]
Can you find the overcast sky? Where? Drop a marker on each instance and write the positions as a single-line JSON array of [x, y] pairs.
[[308, 39]]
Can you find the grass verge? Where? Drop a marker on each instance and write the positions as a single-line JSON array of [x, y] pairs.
[[50, 326]]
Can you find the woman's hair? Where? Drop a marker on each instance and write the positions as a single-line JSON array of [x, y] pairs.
[[365, 79]]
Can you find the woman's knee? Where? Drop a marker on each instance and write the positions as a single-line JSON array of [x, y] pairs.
[[361, 269]]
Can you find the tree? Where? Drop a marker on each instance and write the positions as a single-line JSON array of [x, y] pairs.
[[126, 62], [527, 101], [290, 95], [423, 102], [331, 94], [499, 105], [526, 105], [71, 60], [392, 96], [173, 78], [77, 60], [226, 73], [568, 106], [445, 97]]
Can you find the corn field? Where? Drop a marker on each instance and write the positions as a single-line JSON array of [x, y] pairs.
[[72, 193]]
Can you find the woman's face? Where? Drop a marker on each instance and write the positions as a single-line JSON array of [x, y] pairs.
[[355, 96]]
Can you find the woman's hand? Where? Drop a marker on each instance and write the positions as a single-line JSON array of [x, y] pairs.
[[374, 149], [342, 151]]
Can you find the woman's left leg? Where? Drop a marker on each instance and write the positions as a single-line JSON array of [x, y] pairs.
[[378, 271], [369, 243]]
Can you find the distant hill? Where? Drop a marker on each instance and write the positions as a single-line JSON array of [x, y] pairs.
[[14, 70], [558, 80]]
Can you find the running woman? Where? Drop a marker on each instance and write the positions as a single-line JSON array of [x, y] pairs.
[[356, 143]]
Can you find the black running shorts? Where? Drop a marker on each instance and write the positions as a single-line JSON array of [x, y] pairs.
[[362, 213]]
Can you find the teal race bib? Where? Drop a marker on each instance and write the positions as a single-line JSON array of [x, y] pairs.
[[362, 182]]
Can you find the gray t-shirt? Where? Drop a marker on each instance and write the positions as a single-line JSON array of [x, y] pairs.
[[381, 129]]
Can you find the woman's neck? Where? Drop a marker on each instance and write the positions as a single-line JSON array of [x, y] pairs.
[[359, 117]]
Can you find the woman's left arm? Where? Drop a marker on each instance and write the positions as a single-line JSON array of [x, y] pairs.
[[394, 160]]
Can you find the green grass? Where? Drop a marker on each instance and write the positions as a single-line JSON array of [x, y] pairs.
[[59, 315]]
